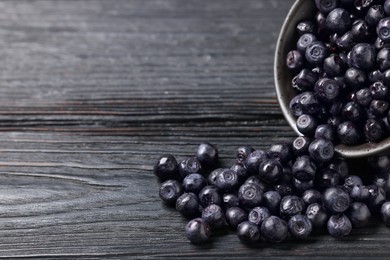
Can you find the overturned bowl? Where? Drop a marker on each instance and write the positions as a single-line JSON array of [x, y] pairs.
[[301, 10]]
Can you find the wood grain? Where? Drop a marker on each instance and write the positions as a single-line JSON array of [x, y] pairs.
[[93, 91]]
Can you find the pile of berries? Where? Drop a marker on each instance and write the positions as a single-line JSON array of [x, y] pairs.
[[341, 71], [286, 191], [341, 68]]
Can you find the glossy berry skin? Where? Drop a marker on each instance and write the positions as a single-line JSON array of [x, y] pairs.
[[258, 214], [301, 145], [378, 90], [374, 15], [305, 27], [302, 186], [373, 130], [386, 77], [281, 151], [362, 56], [254, 160], [321, 150], [188, 166], [334, 65], [348, 133], [327, 90], [346, 41], [316, 53], [235, 216], [271, 200], [274, 229], [243, 152], [295, 61], [166, 168], [250, 195], [324, 131], [376, 198], [248, 232], [311, 196], [351, 181], [306, 79], [198, 231], [300, 226], [327, 178], [271, 171], [227, 180], [383, 30], [309, 103], [241, 171], [352, 111], [284, 189], [385, 213], [325, 6], [359, 214], [306, 124], [169, 191], [214, 216], [188, 205], [336, 200], [340, 166], [355, 78], [304, 41], [209, 195], [375, 76], [386, 7], [317, 215], [339, 226], [207, 155], [230, 200], [379, 107], [360, 30], [383, 59], [338, 21], [194, 183], [212, 178], [304, 169], [363, 97], [360, 193], [291, 205]]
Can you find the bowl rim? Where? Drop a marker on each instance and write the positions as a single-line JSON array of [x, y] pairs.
[[363, 150]]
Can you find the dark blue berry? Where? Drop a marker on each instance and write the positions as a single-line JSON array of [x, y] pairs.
[[188, 166], [194, 183], [363, 5], [284, 189], [324, 131], [291, 205], [336, 200], [383, 29], [316, 53], [209, 195], [300, 226], [363, 97], [339, 225], [327, 90], [346, 41], [378, 90], [212, 178], [362, 56], [334, 65], [352, 111], [166, 168], [317, 215], [348, 133], [309, 102], [311, 196], [306, 79], [248, 232], [305, 26], [306, 124], [327, 178], [374, 15], [302, 186], [271, 171], [227, 180], [383, 59], [360, 30], [304, 41], [235, 216], [325, 6], [304, 168], [301, 145], [295, 60], [274, 229], [338, 21], [386, 78], [243, 152], [355, 78], [360, 193], [281, 151], [258, 214], [385, 213], [380, 164], [198, 231], [207, 155], [169, 191], [188, 205], [340, 166], [230, 200], [295, 106], [373, 130], [254, 160], [250, 195], [321, 150], [379, 107], [214, 216], [241, 171], [351, 181], [271, 200], [377, 198], [386, 7], [359, 214]]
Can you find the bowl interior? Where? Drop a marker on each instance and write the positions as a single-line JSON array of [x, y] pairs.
[[301, 10]]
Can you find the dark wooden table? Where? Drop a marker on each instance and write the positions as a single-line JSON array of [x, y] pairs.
[[92, 92]]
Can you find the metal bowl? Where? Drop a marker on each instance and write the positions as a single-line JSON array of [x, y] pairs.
[[305, 9]]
